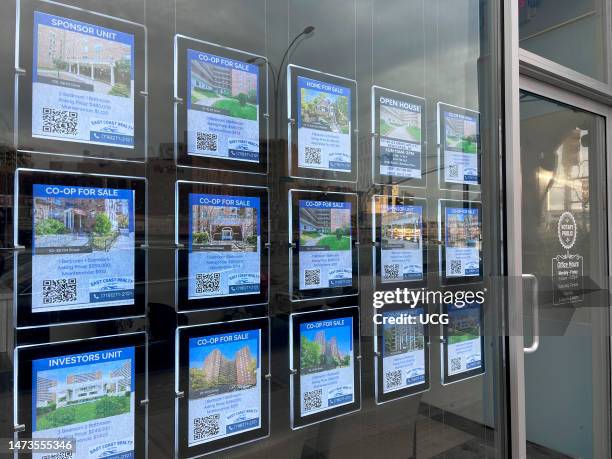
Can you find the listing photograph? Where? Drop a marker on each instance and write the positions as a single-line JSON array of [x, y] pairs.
[[461, 132], [399, 123], [223, 368], [76, 225], [79, 61], [462, 230], [223, 90], [402, 230], [403, 338], [326, 348], [224, 228], [324, 111], [76, 394], [463, 324], [324, 229]]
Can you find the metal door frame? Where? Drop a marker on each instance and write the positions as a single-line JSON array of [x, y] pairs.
[[550, 81]]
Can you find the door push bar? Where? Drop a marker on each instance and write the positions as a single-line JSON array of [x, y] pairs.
[[535, 343]]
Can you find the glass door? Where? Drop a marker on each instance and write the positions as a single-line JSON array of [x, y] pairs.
[[565, 260]]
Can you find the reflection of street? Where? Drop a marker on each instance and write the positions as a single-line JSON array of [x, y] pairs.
[[312, 242], [207, 101], [401, 132], [62, 240], [98, 86], [117, 262]]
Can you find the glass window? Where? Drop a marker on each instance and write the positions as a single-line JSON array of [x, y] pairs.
[[264, 167], [570, 33]]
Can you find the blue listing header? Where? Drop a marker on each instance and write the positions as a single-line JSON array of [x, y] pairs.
[[404, 312], [461, 116], [324, 204], [322, 86], [215, 200], [89, 358], [469, 305], [228, 344], [77, 192], [220, 61], [461, 210], [398, 208], [82, 28], [331, 325], [224, 338]]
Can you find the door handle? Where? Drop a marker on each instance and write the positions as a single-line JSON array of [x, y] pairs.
[[535, 343]]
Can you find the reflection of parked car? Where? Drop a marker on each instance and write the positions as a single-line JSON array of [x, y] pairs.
[[232, 233], [226, 234]]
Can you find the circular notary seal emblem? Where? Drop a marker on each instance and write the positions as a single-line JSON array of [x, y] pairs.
[[566, 230]]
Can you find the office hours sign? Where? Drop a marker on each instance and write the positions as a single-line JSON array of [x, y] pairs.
[[567, 268]]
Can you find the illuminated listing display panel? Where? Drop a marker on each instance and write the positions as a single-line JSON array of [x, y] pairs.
[[86, 91], [86, 390], [85, 260], [399, 138], [323, 234], [223, 230], [322, 141], [221, 107], [324, 351], [223, 367]]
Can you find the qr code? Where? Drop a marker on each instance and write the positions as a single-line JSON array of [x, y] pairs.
[[453, 171], [312, 155], [59, 455], [206, 141], [206, 427], [391, 271], [455, 364], [313, 399], [393, 378], [208, 282], [59, 121], [456, 267], [59, 291], [312, 276]]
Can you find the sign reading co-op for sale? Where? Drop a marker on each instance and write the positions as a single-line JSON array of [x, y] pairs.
[[224, 245], [87, 397], [327, 377], [325, 255], [82, 82], [83, 250], [223, 107]]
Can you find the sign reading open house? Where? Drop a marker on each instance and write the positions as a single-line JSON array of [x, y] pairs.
[[87, 390], [325, 363], [221, 109], [398, 251], [223, 232], [322, 138], [82, 236], [323, 236], [223, 372], [84, 82]]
